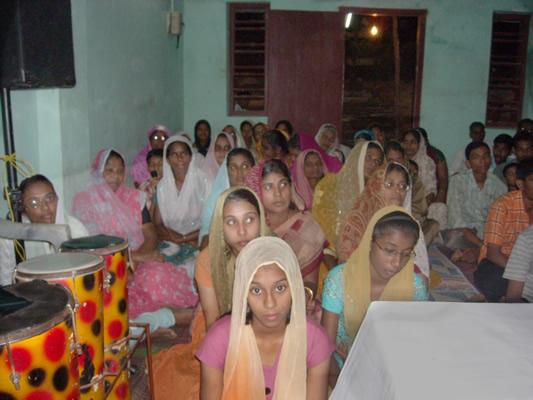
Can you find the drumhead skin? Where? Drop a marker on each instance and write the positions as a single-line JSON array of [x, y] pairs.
[[97, 244], [61, 265], [47, 309]]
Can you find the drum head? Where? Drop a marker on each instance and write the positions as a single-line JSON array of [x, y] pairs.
[[99, 244], [47, 307], [59, 265]]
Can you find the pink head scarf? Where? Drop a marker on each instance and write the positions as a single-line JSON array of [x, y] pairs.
[[139, 169], [307, 142], [113, 213], [301, 184], [254, 180]]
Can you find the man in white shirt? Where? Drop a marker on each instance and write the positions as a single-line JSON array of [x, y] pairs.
[[477, 134]]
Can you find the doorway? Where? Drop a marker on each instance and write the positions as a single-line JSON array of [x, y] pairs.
[[383, 61]]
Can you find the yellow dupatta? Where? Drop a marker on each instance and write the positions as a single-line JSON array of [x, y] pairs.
[[356, 278], [243, 369], [221, 258]]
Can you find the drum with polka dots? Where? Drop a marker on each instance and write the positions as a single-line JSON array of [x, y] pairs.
[[115, 252], [37, 348], [83, 275]]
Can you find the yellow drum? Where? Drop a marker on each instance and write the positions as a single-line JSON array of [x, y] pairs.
[[82, 274], [37, 347], [115, 252]]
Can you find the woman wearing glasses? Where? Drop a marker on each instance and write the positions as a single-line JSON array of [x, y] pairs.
[[41, 205], [381, 268]]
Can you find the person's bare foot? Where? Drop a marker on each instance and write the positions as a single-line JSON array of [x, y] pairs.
[[183, 316], [164, 333]]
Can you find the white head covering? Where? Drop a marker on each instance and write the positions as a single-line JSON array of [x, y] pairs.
[[210, 164], [328, 127], [181, 210], [426, 167]]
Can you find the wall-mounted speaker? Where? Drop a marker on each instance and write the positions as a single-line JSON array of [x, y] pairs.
[[36, 48]]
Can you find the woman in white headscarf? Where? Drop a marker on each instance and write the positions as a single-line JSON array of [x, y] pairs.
[[181, 193]]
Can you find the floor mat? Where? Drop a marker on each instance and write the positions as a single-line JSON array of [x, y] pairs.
[[448, 283]]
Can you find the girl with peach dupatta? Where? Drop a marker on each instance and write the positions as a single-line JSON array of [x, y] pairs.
[[237, 219], [266, 349]]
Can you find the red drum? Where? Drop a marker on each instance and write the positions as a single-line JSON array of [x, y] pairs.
[[82, 274], [115, 252], [37, 344]]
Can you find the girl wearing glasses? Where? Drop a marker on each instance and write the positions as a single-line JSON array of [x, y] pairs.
[[381, 268]]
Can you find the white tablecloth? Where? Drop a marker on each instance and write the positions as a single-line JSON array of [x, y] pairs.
[[451, 351]]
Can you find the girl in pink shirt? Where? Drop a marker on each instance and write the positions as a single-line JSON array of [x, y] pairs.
[[266, 348]]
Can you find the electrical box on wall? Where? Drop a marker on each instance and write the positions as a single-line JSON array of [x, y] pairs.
[[174, 23]]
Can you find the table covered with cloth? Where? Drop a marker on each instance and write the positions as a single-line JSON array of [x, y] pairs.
[[433, 350]]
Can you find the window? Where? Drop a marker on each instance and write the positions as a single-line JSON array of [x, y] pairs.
[[508, 57], [248, 49]]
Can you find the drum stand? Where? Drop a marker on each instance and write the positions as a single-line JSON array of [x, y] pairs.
[[137, 339]]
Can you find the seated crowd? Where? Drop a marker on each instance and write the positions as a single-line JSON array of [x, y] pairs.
[[271, 244]]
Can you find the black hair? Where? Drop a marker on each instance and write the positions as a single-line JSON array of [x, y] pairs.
[[278, 166], [277, 140], [394, 166], [475, 145], [474, 124], [286, 123], [26, 183], [375, 146], [393, 145], [189, 151], [113, 153], [294, 142], [245, 122], [508, 167], [154, 153], [522, 136], [525, 168], [202, 149], [413, 132], [242, 152], [396, 221], [522, 122], [243, 194], [505, 139]]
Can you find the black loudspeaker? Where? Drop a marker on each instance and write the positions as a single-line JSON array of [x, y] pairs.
[[36, 44]]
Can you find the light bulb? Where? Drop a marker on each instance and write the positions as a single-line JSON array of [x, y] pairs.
[[374, 30]]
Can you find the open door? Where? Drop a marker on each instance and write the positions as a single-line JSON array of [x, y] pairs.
[[305, 68]]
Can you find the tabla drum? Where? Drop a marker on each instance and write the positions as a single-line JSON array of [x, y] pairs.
[[83, 275], [115, 252], [37, 344]]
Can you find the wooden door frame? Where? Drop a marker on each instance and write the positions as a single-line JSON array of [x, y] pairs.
[[420, 42]]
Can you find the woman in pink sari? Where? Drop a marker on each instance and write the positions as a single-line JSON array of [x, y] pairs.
[[283, 208], [157, 135], [306, 172], [109, 207]]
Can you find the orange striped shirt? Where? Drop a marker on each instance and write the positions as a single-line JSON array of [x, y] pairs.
[[506, 220]]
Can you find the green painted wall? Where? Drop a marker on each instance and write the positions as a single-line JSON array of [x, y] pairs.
[[456, 61], [129, 74]]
